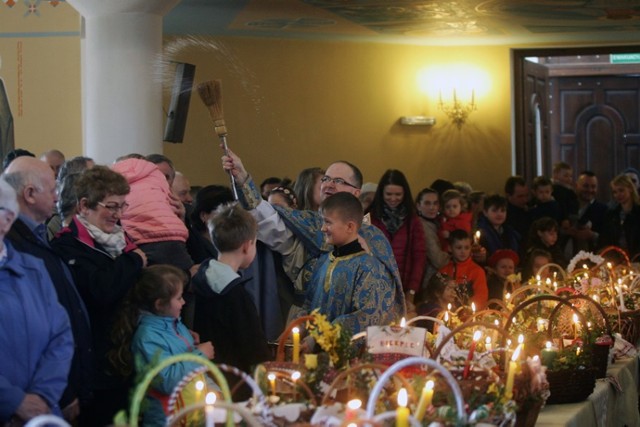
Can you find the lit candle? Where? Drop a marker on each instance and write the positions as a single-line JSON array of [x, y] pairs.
[[446, 317], [472, 349], [296, 345], [210, 399], [578, 351], [487, 343], [476, 237], [549, 354], [402, 413], [295, 376], [199, 388], [521, 342], [511, 374], [425, 400], [352, 409], [575, 326], [272, 382], [473, 307], [403, 322], [622, 307]]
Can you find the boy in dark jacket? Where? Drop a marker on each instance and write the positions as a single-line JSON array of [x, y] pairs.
[[225, 313]]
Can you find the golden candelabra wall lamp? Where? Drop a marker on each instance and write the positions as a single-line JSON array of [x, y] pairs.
[[457, 110]]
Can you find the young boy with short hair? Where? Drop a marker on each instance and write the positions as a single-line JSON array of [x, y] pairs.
[[544, 205], [224, 312], [349, 285], [470, 277], [494, 233]]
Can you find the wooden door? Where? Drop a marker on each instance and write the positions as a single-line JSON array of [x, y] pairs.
[[594, 125]]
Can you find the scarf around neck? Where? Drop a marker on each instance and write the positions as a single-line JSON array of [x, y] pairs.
[[393, 218], [113, 243]]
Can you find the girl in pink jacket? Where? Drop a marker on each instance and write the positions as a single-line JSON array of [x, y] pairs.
[[150, 220]]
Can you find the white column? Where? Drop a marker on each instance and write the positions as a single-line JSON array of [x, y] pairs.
[[121, 91]]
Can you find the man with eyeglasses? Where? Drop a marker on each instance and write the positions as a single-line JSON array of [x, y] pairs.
[[297, 235], [35, 185]]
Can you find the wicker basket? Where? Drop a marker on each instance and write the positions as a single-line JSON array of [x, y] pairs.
[[570, 385], [599, 352], [565, 385]]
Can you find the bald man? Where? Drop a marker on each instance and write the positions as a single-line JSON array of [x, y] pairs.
[[181, 187], [55, 159], [35, 185]]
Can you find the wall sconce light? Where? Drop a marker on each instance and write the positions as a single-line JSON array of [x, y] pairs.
[[417, 121], [456, 110]]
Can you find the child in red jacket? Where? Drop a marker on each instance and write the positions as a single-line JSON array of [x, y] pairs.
[[470, 277], [455, 216]]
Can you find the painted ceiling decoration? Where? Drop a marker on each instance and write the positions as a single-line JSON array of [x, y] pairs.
[[413, 21]]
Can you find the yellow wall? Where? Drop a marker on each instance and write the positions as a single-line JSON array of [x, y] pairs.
[[288, 104], [295, 104], [40, 67]]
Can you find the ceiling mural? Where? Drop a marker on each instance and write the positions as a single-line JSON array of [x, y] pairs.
[[414, 21]]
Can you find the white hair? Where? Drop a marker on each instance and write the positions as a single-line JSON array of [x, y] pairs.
[[8, 198]]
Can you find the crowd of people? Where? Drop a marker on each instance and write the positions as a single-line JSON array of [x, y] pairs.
[[108, 268]]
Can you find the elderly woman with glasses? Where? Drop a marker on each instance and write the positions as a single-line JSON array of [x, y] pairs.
[[105, 265]]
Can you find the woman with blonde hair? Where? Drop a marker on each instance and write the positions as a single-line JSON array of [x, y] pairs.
[[621, 226]]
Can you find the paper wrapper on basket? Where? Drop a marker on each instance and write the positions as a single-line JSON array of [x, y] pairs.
[[388, 344]]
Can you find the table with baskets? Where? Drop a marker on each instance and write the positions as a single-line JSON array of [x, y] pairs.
[[606, 406]]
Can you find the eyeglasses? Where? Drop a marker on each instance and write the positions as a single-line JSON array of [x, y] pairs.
[[336, 181], [114, 207]]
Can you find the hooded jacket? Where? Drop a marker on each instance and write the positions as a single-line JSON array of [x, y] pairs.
[[226, 315], [149, 217]]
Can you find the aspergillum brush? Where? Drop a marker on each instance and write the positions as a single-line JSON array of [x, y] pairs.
[[211, 94]]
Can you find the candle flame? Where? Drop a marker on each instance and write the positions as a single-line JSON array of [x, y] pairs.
[[446, 316], [575, 318], [296, 330], [354, 404], [296, 375], [609, 265], [199, 385], [473, 307], [403, 322], [520, 339], [487, 340], [211, 398], [449, 306], [548, 281], [271, 376], [477, 335], [403, 397], [478, 234], [429, 385], [516, 354], [507, 296], [548, 345]]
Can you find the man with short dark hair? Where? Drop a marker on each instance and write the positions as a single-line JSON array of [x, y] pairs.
[[297, 235], [518, 216], [591, 213]]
